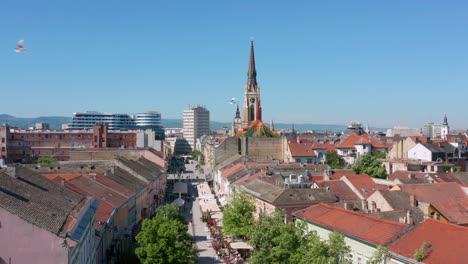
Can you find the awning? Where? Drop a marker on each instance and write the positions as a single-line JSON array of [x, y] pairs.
[[209, 207], [240, 245], [217, 215]]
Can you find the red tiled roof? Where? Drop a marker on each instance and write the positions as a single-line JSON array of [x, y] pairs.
[[65, 176], [113, 185], [232, 169], [364, 184], [448, 242], [337, 174], [316, 178], [327, 146], [355, 139], [448, 198], [419, 139], [301, 150], [108, 199], [374, 230], [250, 178], [406, 174], [339, 189]]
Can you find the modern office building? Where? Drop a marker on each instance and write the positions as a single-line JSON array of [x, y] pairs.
[[115, 121], [196, 124], [150, 120]]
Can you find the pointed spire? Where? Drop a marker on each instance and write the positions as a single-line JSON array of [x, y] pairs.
[[237, 112], [252, 74], [445, 120]]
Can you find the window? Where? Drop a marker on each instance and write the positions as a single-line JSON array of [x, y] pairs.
[[3, 149], [3, 140]]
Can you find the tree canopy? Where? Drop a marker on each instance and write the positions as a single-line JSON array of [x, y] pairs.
[[164, 239], [370, 165], [238, 216], [334, 160], [279, 242]]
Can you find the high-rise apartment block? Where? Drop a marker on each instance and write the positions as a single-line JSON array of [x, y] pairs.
[[196, 124]]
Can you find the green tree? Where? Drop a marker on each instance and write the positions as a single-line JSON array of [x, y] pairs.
[[381, 255], [337, 248], [369, 165], [238, 216], [164, 239], [379, 154], [334, 160], [46, 160], [279, 242]]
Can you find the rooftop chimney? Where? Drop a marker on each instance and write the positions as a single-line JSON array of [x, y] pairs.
[[413, 201]]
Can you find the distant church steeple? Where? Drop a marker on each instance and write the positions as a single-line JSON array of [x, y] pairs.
[[252, 107], [445, 128]]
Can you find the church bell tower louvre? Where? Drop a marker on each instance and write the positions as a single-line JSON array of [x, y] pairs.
[[252, 108]]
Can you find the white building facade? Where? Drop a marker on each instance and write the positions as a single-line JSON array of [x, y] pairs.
[[196, 124]]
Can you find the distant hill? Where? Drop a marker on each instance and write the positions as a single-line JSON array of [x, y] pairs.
[[25, 122], [57, 121]]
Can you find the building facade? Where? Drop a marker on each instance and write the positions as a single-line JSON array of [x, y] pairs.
[[88, 119], [196, 124], [26, 146]]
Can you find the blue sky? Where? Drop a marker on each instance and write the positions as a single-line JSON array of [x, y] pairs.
[[326, 62]]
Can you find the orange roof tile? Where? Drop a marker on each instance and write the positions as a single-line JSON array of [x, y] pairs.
[[339, 189], [337, 174], [65, 176], [364, 184], [363, 139], [374, 230], [448, 242], [448, 198], [232, 169], [301, 149]]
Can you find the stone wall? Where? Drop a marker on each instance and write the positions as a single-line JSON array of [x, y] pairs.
[[228, 148], [263, 149], [105, 154]]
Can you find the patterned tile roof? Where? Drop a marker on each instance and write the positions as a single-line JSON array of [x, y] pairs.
[[257, 129], [362, 226], [37, 200], [448, 242]]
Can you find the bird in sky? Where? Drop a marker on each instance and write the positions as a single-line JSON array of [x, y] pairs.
[[20, 46], [233, 101]]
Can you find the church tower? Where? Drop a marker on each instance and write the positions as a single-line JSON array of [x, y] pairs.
[[445, 128], [252, 107], [236, 122]]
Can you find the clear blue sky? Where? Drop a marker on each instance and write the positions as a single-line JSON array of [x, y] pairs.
[[325, 62]]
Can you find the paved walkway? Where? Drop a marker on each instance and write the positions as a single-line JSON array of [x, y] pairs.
[[198, 229]]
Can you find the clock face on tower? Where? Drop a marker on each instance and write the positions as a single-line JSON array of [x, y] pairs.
[[252, 100]]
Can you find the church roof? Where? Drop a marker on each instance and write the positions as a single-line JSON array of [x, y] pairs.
[[257, 129]]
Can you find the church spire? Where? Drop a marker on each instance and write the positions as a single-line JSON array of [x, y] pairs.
[[252, 74], [238, 112]]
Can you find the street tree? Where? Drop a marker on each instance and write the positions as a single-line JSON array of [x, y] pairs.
[[279, 242], [164, 239], [238, 216], [334, 160], [370, 165]]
